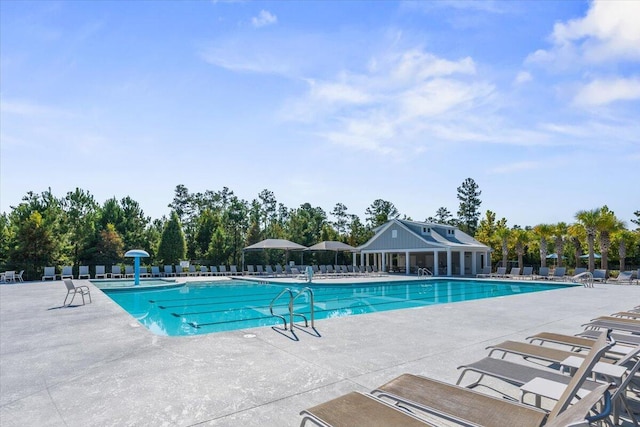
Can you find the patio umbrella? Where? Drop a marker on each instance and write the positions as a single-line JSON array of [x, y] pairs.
[[586, 256], [336, 247]]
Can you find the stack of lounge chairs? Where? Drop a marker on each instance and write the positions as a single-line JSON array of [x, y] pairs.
[[591, 377]]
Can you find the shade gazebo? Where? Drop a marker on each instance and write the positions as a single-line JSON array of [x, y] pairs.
[[333, 246], [281, 244]]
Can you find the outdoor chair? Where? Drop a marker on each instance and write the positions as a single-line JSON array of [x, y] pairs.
[[250, 270], [600, 276], [223, 270], [234, 270], [100, 272], [116, 272], [67, 272], [192, 271], [214, 270], [168, 271], [179, 271], [558, 273], [204, 271], [49, 273], [259, 269], [486, 272], [579, 270], [543, 273], [514, 274], [10, 276], [18, 277], [269, 270], [527, 273], [624, 277], [73, 290], [144, 272], [84, 272], [128, 271], [155, 271], [456, 404], [500, 272]]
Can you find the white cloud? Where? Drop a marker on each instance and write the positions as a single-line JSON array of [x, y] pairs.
[[386, 108], [609, 31], [523, 77], [26, 108], [602, 92], [418, 65], [263, 19]]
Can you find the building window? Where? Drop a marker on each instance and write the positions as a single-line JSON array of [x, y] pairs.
[[394, 234], [426, 230]]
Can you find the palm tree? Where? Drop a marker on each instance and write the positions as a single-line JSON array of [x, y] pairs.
[[520, 239], [589, 221], [543, 231], [559, 232], [625, 239], [607, 224], [576, 235], [503, 234]]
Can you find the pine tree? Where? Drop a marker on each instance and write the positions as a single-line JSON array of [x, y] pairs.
[[469, 210], [172, 245]]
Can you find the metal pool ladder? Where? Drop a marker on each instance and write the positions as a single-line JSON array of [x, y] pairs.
[[292, 297], [586, 278]]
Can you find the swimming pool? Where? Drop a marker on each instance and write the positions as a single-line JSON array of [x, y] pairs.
[[206, 307]]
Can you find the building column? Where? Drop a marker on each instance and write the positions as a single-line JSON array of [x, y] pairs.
[[448, 261], [384, 261], [406, 263], [435, 263], [474, 261], [462, 262]]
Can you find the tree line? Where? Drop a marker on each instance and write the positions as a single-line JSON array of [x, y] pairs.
[[213, 227]]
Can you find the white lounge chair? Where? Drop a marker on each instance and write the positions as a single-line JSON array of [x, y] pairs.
[[144, 272], [155, 271], [600, 276], [116, 272], [179, 271], [514, 274], [625, 277], [168, 271], [128, 271], [84, 272], [486, 272], [100, 272], [49, 273], [67, 272], [543, 273], [558, 273], [204, 271], [527, 273], [500, 272]]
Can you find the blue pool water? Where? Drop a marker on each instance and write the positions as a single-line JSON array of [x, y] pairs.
[[202, 307]]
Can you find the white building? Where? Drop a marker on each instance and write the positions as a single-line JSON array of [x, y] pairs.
[[405, 246]]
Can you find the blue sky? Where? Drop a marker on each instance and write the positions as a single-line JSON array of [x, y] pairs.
[[326, 102]]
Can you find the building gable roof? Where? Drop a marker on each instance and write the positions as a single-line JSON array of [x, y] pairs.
[[410, 236]]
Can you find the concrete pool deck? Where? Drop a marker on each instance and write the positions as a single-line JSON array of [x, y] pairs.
[[94, 365]]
